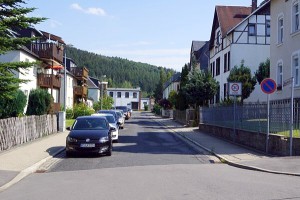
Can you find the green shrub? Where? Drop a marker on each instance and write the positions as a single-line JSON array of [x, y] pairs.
[[13, 107], [69, 113], [39, 102], [146, 107], [82, 109], [156, 109]]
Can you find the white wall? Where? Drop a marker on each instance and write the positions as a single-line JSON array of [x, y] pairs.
[[124, 101]]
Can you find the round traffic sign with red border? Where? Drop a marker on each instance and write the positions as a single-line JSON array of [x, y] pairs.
[[268, 86], [235, 87]]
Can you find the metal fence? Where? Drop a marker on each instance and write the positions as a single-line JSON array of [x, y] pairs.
[[253, 117]]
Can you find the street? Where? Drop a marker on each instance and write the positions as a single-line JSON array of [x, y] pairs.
[[150, 162]]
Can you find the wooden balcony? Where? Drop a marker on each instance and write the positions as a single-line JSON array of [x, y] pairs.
[[81, 91], [48, 51], [48, 80], [80, 72], [55, 107]]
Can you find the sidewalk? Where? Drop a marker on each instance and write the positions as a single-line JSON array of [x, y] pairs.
[[233, 154], [25, 159]]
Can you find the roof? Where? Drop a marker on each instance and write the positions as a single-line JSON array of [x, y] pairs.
[[53, 37], [196, 45], [265, 5], [124, 89], [175, 78], [229, 16], [91, 83]]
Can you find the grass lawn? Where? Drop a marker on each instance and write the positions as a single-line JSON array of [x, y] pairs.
[[69, 122]]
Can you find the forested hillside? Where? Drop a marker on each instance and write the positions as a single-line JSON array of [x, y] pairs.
[[119, 72]]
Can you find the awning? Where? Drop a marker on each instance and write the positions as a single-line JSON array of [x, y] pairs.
[[55, 67]]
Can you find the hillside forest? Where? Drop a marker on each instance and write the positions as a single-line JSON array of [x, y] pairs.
[[119, 72]]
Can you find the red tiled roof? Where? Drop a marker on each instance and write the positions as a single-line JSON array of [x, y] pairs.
[[229, 16]]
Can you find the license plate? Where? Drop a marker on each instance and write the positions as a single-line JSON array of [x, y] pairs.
[[87, 145]]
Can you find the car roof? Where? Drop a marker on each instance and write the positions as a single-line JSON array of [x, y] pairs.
[[103, 114], [91, 117]]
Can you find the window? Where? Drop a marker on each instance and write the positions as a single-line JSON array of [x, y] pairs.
[[225, 90], [280, 30], [119, 94], [295, 19], [268, 27], [218, 63], [252, 29], [296, 70], [228, 58], [135, 95], [225, 62], [279, 76], [218, 38], [111, 94], [126, 94]]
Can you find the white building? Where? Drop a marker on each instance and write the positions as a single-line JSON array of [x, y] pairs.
[[130, 97], [145, 102], [172, 85], [30, 74], [239, 33], [285, 47]]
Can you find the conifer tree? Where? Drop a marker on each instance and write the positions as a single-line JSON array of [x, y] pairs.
[[13, 17]]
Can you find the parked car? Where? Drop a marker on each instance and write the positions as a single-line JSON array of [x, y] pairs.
[[125, 110], [112, 122], [90, 134], [121, 118], [109, 112]]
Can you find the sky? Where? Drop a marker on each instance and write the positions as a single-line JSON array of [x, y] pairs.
[[157, 32]]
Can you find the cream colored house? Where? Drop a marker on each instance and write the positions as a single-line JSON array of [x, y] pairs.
[[285, 47]]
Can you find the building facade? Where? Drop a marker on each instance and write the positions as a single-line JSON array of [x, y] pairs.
[[285, 47], [130, 97], [239, 34]]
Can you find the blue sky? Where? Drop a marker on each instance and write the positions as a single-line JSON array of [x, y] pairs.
[[158, 32]]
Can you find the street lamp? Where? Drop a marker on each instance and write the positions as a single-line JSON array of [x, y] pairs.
[[101, 90]]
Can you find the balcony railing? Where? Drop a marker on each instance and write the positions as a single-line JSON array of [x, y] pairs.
[[80, 72], [48, 51], [48, 80], [55, 107], [80, 91]]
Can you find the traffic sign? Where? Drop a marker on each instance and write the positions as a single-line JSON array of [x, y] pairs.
[[235, 89], [268, 86]]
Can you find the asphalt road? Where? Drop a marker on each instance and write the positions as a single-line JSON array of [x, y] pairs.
[[142, 142], [150, 163]]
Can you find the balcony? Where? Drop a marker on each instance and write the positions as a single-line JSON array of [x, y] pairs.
[[48, 80], [48, 51], [80, 91], [80, 72], [55, 107]]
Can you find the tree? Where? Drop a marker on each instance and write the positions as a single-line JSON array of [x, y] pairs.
[[39, 102], [13, 18], [243, 75], [173, 97], [107, 103], [200, 88], [158, 94], [263, 71], [13, 107], [181, 102]]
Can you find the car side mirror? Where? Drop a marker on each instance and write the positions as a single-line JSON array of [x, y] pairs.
[[68, 128], [118, 123]]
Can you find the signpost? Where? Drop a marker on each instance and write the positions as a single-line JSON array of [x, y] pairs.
[[268, 86], [290, 81], [235, 89]]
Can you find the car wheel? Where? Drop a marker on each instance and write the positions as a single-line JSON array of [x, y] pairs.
[[69, 154], [109, 153]]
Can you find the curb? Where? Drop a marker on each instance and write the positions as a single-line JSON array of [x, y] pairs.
[[28, 171], [224, 160]]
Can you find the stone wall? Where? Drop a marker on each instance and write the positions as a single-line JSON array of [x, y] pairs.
[[278, 145]]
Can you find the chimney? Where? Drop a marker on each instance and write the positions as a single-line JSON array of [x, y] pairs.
[[254, 5]]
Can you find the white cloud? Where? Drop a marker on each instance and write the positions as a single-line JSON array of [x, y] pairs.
[[92, 11]]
